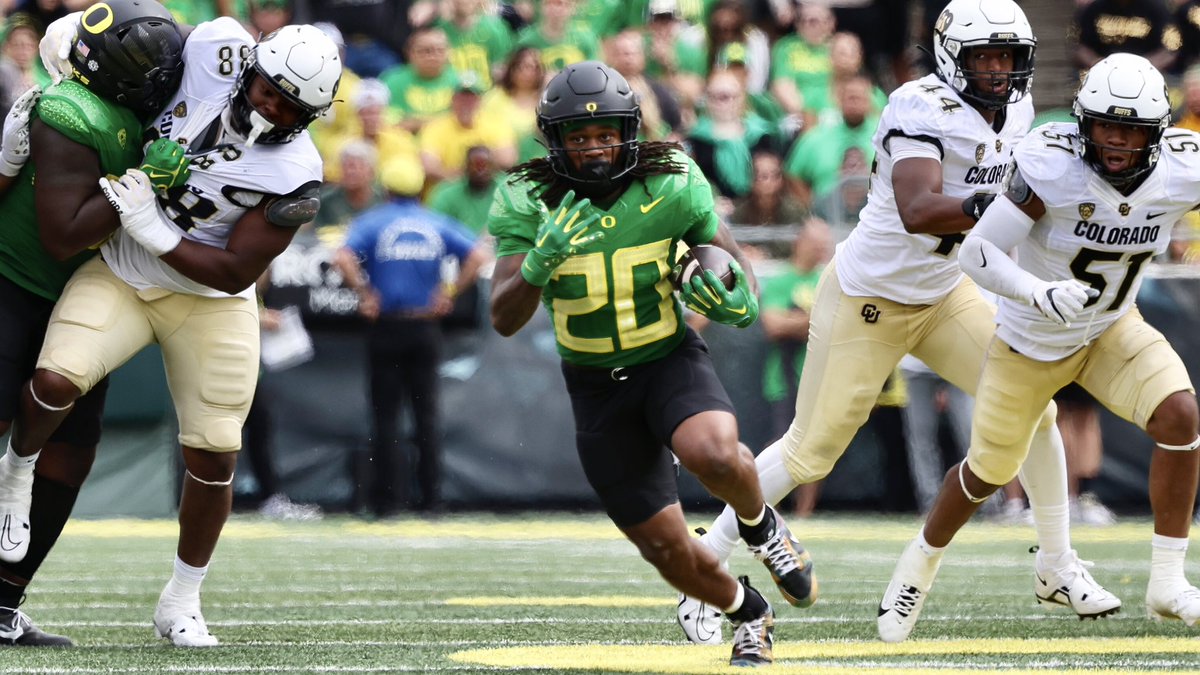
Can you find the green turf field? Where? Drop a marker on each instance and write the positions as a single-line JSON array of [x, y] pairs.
[[558, 593]]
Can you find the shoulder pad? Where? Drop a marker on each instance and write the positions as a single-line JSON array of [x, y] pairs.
[[1051, 164], [919, 110], [295, 209]]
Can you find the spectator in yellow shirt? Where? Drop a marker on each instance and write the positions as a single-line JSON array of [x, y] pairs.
[[391, 142], [444, 141]]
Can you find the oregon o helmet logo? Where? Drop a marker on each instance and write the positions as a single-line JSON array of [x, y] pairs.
[[591, 106], [97, 19]]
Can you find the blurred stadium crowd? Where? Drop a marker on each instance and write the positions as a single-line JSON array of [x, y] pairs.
[[776, 100]]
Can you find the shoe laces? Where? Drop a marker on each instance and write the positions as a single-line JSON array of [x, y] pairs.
[[1070, 567], [750, 637], [777, 552], [906, 600]]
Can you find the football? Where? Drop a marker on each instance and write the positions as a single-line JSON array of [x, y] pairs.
[[705, 257]]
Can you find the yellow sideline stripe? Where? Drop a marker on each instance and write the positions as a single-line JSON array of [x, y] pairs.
[[562, 601], [800, 657], [585, 528]]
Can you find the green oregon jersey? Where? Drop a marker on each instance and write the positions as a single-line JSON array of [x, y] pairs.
[[113, 132], [615, 305]]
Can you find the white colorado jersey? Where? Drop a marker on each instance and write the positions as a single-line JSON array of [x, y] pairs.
[[226, 177], [880, 258], [1093, 233]]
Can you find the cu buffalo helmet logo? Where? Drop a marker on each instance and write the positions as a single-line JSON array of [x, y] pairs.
[[943, 21], [980, 150], [870, 313], [1086, 210]]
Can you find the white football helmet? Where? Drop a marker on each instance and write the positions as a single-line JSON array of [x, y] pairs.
[[303, 65], [1127, 89], [965, 24]]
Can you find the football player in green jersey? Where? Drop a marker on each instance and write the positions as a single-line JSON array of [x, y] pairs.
[[591, 233], [129, 57]]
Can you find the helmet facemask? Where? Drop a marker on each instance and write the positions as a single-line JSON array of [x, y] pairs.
[[979, 83], [598, 172], [1093, 151]]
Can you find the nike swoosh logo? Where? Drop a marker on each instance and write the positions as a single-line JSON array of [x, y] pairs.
[[647, 207], [7, 543], [1054, 305], [737, 311], [983, 258], [1154, 215]]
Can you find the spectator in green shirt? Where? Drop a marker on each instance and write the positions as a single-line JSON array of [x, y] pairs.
[[725, 136], [814, 163], [479, 39], [800, 62], [558, 37], [422, 88], [468, 198], [358, 191]]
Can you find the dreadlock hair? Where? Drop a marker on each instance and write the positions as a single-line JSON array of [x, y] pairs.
[[654, 158]]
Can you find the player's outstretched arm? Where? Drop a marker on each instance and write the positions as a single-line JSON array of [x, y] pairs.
[[72, 214]]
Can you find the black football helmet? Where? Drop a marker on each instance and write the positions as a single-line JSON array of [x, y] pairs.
[[584, 91], [129, 52]]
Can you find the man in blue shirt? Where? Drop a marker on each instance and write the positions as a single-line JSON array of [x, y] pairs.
[[395, 257]]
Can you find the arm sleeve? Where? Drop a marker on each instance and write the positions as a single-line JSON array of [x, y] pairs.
[[983, 255], [903, 147]]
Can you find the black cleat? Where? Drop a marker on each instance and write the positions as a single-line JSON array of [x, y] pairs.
[[791, 567], [753, 639], [16, 630]]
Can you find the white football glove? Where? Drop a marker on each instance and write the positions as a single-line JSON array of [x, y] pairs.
[[14, 150], [1062, 301], [133, 197], [56, 44]]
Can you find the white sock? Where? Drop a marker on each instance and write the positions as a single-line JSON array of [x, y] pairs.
[[722, 536], [17, 464], [1044, 476], [1166, 559], [737, 599], [186, 580], [928, 549]]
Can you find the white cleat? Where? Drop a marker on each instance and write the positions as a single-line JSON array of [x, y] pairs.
[[1180, 601], [700, 621], [1067, 582], [182, 624], [906, 593], [16, 495]]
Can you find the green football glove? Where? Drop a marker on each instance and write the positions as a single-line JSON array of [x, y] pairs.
[[165, 164], [560, 236], [706, 295]]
